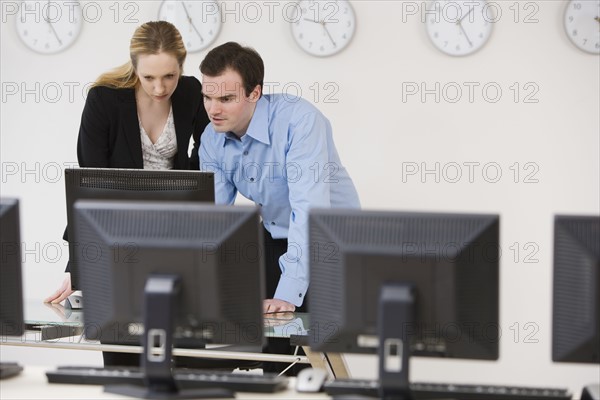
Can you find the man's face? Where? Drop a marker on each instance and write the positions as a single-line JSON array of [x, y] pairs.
[[228, 106]]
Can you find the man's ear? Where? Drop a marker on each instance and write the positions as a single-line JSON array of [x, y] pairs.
[[255, 94]]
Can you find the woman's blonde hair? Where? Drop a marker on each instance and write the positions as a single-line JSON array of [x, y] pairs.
[[150, 38]]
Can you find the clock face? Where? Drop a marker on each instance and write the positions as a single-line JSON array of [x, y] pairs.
[[459, 28], [582, 24], [49, 26], [198, 21], [323, 28]]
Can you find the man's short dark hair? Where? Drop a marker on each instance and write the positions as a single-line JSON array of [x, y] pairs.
[[243, 60]]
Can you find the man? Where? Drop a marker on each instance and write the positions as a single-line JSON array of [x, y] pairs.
[[276, 150]]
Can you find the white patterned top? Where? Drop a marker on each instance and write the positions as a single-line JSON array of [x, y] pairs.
[[160, 155]]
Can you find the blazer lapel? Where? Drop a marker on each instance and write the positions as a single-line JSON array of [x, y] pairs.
[[130, 127], [182, 127]]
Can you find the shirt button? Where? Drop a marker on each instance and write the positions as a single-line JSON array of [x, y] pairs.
[[299, 294], [260, 204], [272, 222], [251, 179], [246, 152]]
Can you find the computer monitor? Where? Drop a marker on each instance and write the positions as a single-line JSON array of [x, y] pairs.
[[404, 284], [11, 286], [130, 184], [576, 291], [170, 270]]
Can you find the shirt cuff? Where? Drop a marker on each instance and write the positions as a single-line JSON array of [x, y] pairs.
[[291, 290]]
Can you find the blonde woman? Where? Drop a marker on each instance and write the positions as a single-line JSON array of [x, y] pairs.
[[143, 114]]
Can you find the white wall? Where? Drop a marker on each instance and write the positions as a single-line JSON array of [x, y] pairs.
[[380, 132]]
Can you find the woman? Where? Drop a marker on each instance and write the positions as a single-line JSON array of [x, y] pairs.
[[142, 114]]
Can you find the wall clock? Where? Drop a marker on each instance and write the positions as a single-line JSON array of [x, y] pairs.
[[459, 28], [198, 21], [323, 28], [49, 27], [582, 24]]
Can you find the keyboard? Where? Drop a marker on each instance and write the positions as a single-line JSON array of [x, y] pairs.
[[185, 378], [9, 369], [370, 388]]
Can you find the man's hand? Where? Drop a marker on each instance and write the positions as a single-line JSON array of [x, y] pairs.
[[62, 293], [275, 305]]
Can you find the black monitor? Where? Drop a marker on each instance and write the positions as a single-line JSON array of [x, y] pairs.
[[130, 184], [404, 284], [11, 284], [576, 292], [170, 270]]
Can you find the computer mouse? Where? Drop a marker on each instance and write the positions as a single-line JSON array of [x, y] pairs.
[[74, 302], [310, 380]]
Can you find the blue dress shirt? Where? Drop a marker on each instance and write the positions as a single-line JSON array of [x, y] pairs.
[[286, 163]]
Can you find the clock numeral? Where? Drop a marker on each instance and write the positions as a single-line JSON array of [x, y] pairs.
[[574, 32], [577, 6]]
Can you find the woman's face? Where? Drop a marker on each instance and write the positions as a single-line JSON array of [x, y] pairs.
[[158, 75]]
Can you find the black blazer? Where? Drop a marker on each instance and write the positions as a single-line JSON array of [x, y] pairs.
[[109, 134]]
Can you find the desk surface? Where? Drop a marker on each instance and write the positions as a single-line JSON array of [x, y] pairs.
[[32, 384], [281, 325]]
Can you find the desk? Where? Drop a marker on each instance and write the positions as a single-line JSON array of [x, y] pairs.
[[32, 384], [53, 326]]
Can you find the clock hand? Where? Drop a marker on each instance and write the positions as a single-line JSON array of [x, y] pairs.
[[465, 33], [311, 20], [464, 16], [190, 21], [50, 23], [328, 34]]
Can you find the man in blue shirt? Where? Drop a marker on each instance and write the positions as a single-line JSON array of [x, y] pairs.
[[276, 150]]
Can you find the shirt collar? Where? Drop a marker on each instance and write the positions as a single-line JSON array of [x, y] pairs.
[[259, 124]]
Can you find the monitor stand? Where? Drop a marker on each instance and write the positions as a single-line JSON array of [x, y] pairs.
[[160, 301], [395, 314]]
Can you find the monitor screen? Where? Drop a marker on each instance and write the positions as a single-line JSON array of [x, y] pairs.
[[170, 270], [130, 184], [11, 286], [404, 284], [576, 292]]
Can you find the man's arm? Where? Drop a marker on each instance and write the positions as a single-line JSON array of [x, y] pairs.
[[308, 188]]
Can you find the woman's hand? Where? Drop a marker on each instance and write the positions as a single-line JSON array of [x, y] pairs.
[[62, 293]]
